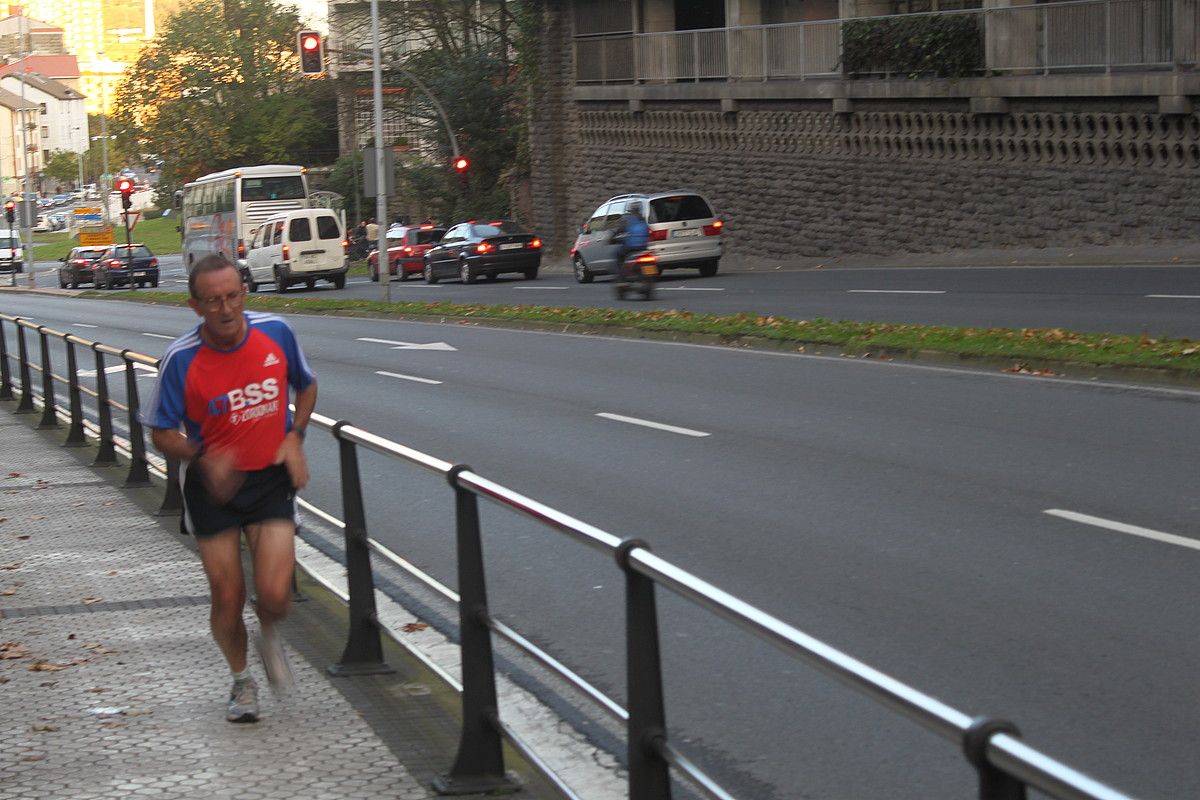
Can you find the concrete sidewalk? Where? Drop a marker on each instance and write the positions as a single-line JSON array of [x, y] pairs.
[[112, 687]]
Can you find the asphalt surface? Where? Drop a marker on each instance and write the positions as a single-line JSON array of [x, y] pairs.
[[1154, 300], [896, 510]]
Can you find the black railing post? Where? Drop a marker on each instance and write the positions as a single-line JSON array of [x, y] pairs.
[[479, 766], [994, 784], [6, 389], [49, 412], [172, 502], [107, 455], [25, 406], [364, 650], [75, 435], [649, 774], [139, 468]]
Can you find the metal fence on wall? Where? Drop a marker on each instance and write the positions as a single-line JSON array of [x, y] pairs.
[[1079, 35], [1004, 764]]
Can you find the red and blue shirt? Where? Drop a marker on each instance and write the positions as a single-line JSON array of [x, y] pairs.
[[232, 400]]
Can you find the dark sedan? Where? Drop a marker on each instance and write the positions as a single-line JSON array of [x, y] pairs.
[[471, 249], [79, 266], [121, 264]]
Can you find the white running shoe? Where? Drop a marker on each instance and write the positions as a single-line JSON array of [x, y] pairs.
[[279, 672], [243, 701]]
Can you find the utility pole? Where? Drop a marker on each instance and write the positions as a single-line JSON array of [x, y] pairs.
[[383, 264], [26, 223]]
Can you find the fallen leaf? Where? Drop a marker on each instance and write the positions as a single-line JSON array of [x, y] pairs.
[[70, 636], [47, 684], [413, 627], [98, 689], [44, 727], [3, 679], [109, 503], [38, 516], [13, 650], [113, 572], [89, 600], [3, 519], [46, 666], [7, 592], [33, 757], [23, 536], [14, 474], [9, 566]]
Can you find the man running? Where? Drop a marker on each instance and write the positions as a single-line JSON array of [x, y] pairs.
[[240, 450]]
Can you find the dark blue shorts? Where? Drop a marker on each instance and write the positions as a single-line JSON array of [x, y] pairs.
[[264, 494]]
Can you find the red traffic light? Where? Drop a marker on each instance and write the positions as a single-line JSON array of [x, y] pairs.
[[461, 164], [125, 186], [311, 51]]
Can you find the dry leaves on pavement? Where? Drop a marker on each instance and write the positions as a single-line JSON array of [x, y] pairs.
[[413, 627], [46, 666], [13, 650]]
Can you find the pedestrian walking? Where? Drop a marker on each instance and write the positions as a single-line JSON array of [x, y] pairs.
[[220, 407], [372, 231]]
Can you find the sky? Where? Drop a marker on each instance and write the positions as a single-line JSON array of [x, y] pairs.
[[313, 12]]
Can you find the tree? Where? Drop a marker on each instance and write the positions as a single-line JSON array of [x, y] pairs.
[[219, 88], [62, 167], [467, 54]]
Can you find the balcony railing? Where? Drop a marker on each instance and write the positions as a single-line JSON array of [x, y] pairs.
[[1087, 35]]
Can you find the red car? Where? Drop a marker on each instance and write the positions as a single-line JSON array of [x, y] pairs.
[[406, 250]]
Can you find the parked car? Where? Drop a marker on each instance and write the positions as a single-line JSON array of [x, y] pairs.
[[12, 255], [471, 249], [62, 199], [79, 266], [407, 245], [684, 232], [58, 220], [43, 224], [300, 246], [113, 266]]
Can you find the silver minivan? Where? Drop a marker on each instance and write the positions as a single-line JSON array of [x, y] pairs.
[[300, 246], [685, 231]]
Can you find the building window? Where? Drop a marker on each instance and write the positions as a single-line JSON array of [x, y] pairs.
[[45, 131], [45, 111]]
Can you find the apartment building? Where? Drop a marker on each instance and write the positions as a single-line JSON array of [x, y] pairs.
[[62, 122], [826, 127]]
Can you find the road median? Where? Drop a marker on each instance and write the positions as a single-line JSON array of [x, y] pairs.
[[1038, 351]]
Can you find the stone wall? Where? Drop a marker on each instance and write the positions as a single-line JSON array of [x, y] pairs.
[[795, 183]]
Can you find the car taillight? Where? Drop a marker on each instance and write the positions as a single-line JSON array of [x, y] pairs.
[[646, 258], [241, 249], [154, 262], [345, 245], [407, 251], [286, 252], [714, 229], [484, 247], [115, 262], [536, 243], [79, 261], [657, 236]]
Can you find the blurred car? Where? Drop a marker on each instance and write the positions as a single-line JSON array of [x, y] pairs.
[[79, 265], [43, 224], [407, 245], [62, 199], [113, 266], [684, 232], [58, 221], [471, 249], [12, 255]]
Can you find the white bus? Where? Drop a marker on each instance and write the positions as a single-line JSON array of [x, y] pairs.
[[220, 211]]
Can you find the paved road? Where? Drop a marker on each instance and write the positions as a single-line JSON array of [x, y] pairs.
[[1153, 300], [897, 511]]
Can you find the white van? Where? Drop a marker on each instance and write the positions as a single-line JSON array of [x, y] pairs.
[[300, 246]]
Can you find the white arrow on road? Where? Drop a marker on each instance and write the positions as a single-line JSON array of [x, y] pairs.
[[409, 345]]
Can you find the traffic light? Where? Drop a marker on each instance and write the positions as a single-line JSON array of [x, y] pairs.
[[10, 210], [312, 53], [125, 187], [460, 165]]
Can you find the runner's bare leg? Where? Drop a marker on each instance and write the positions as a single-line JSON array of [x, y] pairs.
[[221, 556]]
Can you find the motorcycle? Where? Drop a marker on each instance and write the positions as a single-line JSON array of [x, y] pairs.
[[639, 273]]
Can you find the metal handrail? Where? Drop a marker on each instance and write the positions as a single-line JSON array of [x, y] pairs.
[[1005, 764]]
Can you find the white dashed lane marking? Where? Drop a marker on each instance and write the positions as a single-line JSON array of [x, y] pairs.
[[896, 291], [645, 423], [412, 378], [1123, 527]]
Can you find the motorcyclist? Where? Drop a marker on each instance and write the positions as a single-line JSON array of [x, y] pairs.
[[632, 234]]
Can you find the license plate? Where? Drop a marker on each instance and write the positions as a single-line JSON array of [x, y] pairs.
[[512, 246], [650, 270], [685, 232], [139, 274]]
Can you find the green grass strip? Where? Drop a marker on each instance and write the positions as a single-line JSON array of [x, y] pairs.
[[1180, 356]]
